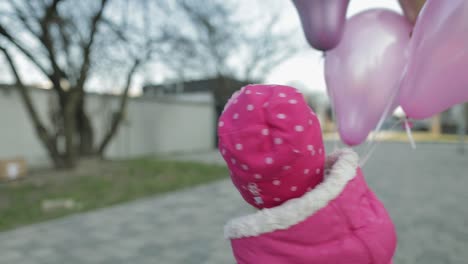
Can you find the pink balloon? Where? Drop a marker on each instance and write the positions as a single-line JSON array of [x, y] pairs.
[[363, 72], [322, 21], [437, 73]]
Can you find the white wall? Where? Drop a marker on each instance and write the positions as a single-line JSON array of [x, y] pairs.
[[151, 126]]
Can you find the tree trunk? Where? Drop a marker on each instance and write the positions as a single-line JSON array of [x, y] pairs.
[[69, 127], [85, 131], [44, 136]]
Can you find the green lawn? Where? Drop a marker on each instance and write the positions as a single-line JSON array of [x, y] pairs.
[[398, 136], [96, 185], [425, 137]]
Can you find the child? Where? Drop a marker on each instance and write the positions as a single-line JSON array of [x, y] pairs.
[[313, 209]]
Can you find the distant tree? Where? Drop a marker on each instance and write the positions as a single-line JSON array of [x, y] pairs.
[[217, 39], [70, 43], [73, 43]]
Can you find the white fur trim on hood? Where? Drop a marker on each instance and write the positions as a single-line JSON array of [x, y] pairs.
[[342, 167]]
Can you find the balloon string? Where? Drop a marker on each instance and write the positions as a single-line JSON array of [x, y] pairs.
[[335, 135], [409, 133], [370, 147], [374, 145], [335, 132]]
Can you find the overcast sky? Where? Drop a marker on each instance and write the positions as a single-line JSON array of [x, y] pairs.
[[306, 68]]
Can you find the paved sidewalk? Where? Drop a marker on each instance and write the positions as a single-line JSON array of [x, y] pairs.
[[425, 191], [183, 227]]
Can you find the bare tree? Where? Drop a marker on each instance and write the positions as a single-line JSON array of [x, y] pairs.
[[70, 42], [74, 42], [217, 39]]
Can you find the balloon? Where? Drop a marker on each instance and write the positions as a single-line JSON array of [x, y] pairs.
[[322, 21], [437, 76], [411, 8], [363, 72]]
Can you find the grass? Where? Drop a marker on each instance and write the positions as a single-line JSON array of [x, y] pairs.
[[397, 136], [424, 137], [96, 185]]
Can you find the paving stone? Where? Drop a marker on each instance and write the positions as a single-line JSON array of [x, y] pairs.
[[424, 190]]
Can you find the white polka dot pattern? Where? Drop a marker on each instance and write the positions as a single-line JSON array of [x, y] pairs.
[[281, 116], [271, 141], [299, 128]]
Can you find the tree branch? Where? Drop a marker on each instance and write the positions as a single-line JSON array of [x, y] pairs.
[[47, 42], [32, 9], [24, 51], [209, 33], [51, 9], [117, 119], [24, 17], [264, 46], [45, 39], [267, 64], [41, 131], [87, 48]]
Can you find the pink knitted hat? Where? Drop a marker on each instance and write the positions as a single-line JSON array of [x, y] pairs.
[[272, 143]]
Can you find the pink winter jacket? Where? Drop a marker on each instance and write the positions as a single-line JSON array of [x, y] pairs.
[[341, 221]]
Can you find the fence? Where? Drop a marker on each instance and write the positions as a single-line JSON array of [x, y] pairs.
[[151, 126]]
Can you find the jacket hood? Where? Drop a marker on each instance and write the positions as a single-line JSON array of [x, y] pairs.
[[340, 168], [340, 221]]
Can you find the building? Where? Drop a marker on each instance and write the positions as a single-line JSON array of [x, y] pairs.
[[215, 90], [219, 89]]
